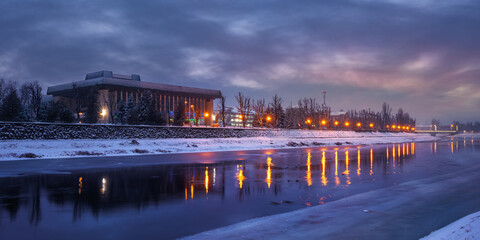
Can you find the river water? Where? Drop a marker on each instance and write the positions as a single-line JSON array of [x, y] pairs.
[[210, 190]]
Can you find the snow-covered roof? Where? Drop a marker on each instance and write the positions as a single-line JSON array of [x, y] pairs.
[[103, 79]]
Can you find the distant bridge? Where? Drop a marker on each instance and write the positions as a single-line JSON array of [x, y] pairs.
[[435, 131]]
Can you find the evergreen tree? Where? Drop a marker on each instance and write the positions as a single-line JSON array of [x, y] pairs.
[[52, 111], [65, 114], [92, 113], [146, 109], [160, 119], [179, 114], [282, 120], [42, 113], [132, 112], [120, 115], [11, 106]]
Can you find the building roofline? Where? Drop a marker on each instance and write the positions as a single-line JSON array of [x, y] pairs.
[[102, 82]]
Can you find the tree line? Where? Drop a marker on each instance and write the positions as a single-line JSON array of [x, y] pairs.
[[24, 103], [308, 114]]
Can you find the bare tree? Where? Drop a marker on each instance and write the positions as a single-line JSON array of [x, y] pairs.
[[276, 105], [221, 106], [31, 96], [259, 108], [244, 105], [386, 115], [197, 111], [77, 99], [108, 100]]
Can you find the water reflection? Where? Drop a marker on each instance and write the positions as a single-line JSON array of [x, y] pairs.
[[206, 180], [337, 179], [271, 176], [239, 176], [359, 169], [268, 180], [308, 176], [324, 178]]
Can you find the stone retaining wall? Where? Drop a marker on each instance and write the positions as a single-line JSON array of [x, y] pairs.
[[22, 130]]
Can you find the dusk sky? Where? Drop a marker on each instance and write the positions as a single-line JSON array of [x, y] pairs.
[[421, 55]]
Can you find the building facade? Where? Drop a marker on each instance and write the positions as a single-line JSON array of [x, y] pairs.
[[112, 89]]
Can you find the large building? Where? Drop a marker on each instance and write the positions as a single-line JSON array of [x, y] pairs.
[[115, 88]]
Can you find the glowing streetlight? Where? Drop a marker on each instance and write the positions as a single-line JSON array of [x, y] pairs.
[[371, 125], [104, 112], [336, 123], [206, 114], [269, 118], [347, 124], [393, 126], [308, 121], [359, 124], [324, 122]]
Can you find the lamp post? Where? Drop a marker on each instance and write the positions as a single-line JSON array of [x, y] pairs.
[[205, 118]]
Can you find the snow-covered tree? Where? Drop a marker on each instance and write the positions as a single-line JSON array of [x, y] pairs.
[[11, 105]]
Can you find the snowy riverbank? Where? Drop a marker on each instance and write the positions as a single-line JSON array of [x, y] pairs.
[[467, 227], [369, 215], [62, 148]]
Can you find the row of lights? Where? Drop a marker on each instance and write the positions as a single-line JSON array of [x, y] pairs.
[[371, 125], [336, 123]]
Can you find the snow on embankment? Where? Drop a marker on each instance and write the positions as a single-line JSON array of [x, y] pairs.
[[273, 139], [467, 227]]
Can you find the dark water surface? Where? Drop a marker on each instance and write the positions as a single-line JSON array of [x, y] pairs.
[[208, 190]]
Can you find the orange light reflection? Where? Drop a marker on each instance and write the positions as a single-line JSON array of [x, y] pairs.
[[324, 179], [268, 180], [308, 176], [206, 180]]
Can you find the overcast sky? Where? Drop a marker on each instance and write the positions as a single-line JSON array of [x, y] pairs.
[[421, 55]]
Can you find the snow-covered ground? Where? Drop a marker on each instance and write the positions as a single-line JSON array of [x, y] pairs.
[[25, 149], [465, 228]]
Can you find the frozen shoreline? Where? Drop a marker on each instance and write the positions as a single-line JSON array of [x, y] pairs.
[[467, 227], [67, 148], [373, 209]]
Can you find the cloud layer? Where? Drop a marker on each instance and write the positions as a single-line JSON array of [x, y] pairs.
[[419, 55]]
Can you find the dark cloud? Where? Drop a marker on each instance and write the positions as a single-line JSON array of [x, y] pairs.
[[420, 55]]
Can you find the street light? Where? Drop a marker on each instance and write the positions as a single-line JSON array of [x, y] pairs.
[[371, 125], [205, 118], [269, 118], [347, 124], [324, 122], [308, 121], [336, 123], [359, 124]]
